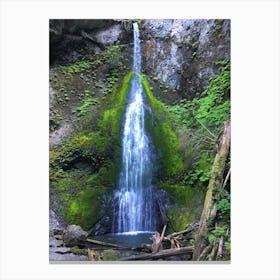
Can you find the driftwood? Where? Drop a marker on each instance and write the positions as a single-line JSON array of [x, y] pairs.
[[213, 253], [175, 237], [220, 248], [162, 254], [205, 251], [157, 240], [103, 243], [215, 184], [190, 228]]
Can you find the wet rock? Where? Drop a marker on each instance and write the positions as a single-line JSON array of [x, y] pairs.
[[74, 235]]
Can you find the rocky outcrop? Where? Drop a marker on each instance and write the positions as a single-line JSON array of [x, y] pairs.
[[71, 40], [74, 235], [183, 53], [180, 53]]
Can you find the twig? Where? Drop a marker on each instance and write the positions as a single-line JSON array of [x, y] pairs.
[[226, 179], [211, 133]]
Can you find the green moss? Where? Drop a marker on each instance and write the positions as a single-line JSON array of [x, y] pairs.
[[77, 251], [163, 135], [86, 104], [83, 208], [112, 118], [110, 255], [186, 207], [82, 147]]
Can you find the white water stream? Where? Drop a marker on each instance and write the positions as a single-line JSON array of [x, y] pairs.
[[134, 196]]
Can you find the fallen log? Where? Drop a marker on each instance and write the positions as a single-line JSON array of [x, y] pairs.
[[161, 254], [184, 232], [103, 243], [205, 251], [214, 185]]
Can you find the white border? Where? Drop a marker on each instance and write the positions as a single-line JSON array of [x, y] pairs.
[[24, 138]]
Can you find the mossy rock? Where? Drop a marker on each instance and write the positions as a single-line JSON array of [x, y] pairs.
[[164, 137], [83, 208], [80, 252], [86, 167], [110, 255], [186, 204]]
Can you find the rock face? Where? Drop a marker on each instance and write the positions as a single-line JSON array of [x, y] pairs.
[[70, 40], [74, 235], [180, 53], [183, 53]]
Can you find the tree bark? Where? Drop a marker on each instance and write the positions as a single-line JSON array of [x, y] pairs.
[[215, 184]]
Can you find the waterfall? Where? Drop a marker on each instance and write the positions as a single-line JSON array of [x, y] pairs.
[[134, 195]]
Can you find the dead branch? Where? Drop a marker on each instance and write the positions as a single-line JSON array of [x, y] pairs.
[[226, 179], [103, 243], [157, 240], [205, 251], [215, 183], [161, 254], [220, 248]]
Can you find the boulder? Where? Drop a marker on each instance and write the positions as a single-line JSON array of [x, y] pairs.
[[74, 235]]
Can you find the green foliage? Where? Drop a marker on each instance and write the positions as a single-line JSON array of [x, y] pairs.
[[227, 245], [213, 109], [215, 233], [112, 56], [164, 138], [77, 67], [202, 119], [86, 104], [211, 238], [111, 81], [223, 208], [218, 231]]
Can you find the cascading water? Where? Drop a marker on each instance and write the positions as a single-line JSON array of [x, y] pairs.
[[135, 210]]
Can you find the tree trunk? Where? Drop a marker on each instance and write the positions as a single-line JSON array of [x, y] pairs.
[[215, 184]]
